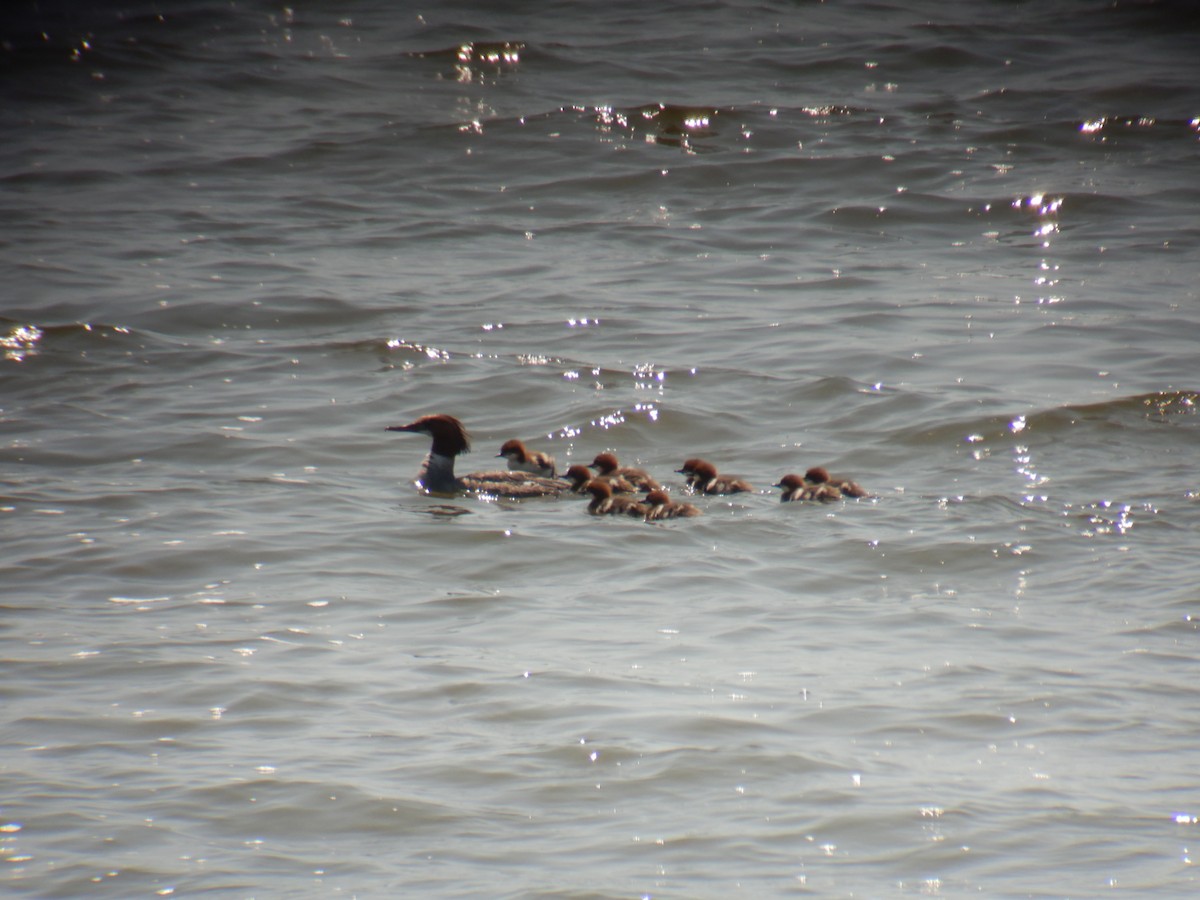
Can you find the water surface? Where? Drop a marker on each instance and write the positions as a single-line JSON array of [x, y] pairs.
[[950, 250]]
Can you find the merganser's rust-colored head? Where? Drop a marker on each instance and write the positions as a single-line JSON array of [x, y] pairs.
[[817, 475], [820, 477], [513, 449], [704, 470], [605, 463], [449, 435], [659, 505], [688, 467], [791, 482], [579, 475], [599, 489]]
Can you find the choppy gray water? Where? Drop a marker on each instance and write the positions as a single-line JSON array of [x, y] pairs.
[[949, 249]]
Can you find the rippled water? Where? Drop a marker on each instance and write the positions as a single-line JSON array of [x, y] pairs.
[[947, 249]]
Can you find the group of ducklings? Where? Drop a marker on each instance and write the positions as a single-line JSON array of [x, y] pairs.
[[611, 482]]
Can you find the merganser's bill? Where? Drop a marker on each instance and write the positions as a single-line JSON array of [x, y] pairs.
[[450, 438], [659, 505], [606, 464], [605, 504], [522, 459], [702, 478]]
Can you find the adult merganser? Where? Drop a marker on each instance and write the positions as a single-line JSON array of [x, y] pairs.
[[702, 478], [606, 464], [659, 505], [820, 475], [794, 487], [522, 459], [450, 439], [605, 504], [579, 475]]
